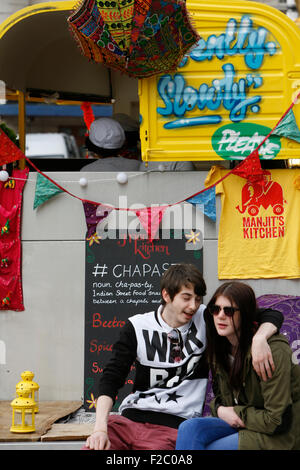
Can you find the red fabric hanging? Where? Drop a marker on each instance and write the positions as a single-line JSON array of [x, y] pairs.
[[11, 192], [88, 114]]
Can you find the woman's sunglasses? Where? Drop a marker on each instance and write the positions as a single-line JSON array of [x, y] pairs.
[[229, 311]]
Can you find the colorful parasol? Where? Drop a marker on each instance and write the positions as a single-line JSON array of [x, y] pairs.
[[139, 37]]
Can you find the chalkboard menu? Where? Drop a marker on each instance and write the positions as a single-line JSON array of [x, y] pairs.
[[122, 279]]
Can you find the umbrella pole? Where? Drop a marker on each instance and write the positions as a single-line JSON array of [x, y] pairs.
[[21, 124]]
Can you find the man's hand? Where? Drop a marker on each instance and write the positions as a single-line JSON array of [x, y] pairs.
[[98, 440], [228, 414], [262, 359]]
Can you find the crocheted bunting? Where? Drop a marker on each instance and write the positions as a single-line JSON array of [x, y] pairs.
[[9, 152], [288, 127], [251, 169], [94, 214], [44, 190], [206, 202], [150, 218]]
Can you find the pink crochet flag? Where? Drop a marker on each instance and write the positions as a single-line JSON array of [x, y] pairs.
[[150, 218]]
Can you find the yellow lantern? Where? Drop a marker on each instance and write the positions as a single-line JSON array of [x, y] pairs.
[[23, 412], [27, 383]]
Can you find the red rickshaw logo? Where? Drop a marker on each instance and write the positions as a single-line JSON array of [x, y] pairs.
[[255, 195]]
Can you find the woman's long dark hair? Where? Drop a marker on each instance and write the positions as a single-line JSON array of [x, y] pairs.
[[218, 347]]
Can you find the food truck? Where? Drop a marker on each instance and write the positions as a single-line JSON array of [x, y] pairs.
[[230, 95]]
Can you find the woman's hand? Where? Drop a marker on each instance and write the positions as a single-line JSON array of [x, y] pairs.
[[98, 440], [228, 414]]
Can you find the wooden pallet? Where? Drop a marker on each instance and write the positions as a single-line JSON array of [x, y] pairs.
[[49, 413], [68, 432]]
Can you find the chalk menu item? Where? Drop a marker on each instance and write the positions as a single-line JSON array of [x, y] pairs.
[[123, 279]]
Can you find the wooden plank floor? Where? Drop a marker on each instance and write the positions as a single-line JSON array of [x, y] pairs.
[[68, 432], [49, 412]]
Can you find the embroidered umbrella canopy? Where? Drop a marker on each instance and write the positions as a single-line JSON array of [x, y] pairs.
[[139, 37]]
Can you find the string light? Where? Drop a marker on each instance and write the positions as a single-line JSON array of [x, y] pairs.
[[83, 182], [102, 180], [122, 178], [4, 175]]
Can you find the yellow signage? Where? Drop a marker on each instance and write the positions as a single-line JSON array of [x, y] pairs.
[[229, 92]]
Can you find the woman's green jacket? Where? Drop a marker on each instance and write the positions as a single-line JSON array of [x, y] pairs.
[[270, 410]]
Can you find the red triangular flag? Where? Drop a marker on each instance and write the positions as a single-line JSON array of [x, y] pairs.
[[250, 168], [150, 218], [9, 152]]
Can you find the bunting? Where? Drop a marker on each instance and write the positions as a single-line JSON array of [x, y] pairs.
[[9, 152], [206, 202], [150, 218], [251, 169], [288, 127], [44, 190], [94, 214]]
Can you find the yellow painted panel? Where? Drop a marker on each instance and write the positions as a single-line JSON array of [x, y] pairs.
[[229, 91], [36, 9]]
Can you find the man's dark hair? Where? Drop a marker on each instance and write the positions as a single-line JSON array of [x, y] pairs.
[[182, 275]]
